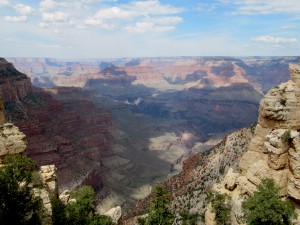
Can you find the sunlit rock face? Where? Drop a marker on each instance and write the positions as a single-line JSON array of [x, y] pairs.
[[274, 150], [12, 141]]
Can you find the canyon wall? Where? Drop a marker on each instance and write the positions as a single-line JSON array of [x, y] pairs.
[[273, 151], [214, 94], [62, 128]]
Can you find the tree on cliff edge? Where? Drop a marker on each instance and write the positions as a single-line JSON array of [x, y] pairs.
[[160, 213], [265, 206], [81, 212], [18, 205]]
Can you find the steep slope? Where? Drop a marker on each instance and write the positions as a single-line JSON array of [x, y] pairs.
[[59, 132], [273, 151], [190, 188]]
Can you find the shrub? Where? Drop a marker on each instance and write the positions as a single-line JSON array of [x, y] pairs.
[[18, 205], [82, 212], [188, 219], [221, 207], [283, 101], [287, 136], [265, 206], [160, 213]]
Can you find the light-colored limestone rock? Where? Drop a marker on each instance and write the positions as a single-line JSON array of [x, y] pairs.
[[294, 187], [48, 176], [257, 172], [245, 186], [12, 140], [249, 158], [115, 214], [65, 196], [294, 72], [257, 142], [72, 201], [274, 151], [294, 159], [281, 179], [230, 180], [210, 216], [273, 109], [277, 147], [46, 199]]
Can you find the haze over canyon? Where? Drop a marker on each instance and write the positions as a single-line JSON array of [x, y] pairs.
[[120, 125]]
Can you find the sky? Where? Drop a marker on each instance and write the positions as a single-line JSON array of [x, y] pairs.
[[73, 29]]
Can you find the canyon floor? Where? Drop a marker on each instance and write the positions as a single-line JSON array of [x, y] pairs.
[[146, 150]]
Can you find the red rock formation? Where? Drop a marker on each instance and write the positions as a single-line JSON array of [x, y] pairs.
[[63, 127]]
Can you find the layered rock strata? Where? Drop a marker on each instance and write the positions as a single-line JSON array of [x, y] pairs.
[[11, 140], [274, 151], [63, 127]]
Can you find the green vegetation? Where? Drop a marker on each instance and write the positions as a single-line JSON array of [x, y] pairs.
[[221, 207], [160, 213], [81, 212], [189, 219], [287, 136], [283, 102], [265, 206], [18, 205]]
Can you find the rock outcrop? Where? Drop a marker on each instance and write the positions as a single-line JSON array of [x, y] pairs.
[[115, 214], [13, 84], [274, 151], [11, 140]]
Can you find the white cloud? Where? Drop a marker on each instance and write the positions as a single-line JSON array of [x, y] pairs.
[[50, 5], [23, 9], [92, 21], [264, 6], [89, 1], [4, 3], [143, 27], [48, 46], [140, 12], [151, 7], [275, 40], [172, 20], [16, 19], [55, 17], [114, 13]]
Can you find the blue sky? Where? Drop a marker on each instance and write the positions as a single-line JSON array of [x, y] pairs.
[[122, 28]]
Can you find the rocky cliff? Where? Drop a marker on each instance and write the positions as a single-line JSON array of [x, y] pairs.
[[13, 141], [273, 151], [14, 85], [62, 128]]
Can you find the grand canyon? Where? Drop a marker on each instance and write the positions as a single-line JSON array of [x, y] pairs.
[[121, 125]]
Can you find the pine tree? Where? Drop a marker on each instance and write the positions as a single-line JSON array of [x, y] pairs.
[[18, 205], [160, 213], [265, 206]]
